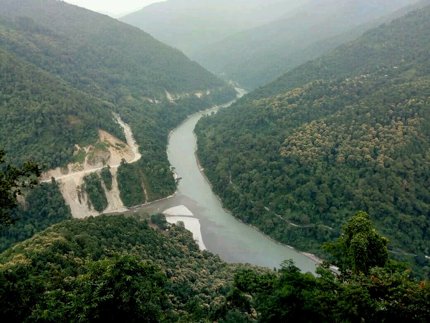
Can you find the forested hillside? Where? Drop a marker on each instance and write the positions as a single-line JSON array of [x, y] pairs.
[[44, 206], [259, 55], [98, 53], [346, 132], [64, 70], [43, 117]]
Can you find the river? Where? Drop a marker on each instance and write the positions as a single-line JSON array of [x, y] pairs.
[[222, 234]]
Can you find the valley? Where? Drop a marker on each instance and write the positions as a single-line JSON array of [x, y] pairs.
[[285, 179], [222, 234]]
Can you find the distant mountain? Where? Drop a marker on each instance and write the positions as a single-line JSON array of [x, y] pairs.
[[191, 25], [64, 70], [98, 53], [343, 133], [259, 55]]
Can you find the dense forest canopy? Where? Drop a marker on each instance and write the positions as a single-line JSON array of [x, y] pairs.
[[100, 263], [44, 206], [114, 267], [43, 117], [13, 182], [346, 132], [97, 53]]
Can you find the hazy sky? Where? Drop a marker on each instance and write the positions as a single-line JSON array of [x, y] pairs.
[[115, 8]]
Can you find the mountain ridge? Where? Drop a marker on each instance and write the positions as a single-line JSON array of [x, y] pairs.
[[260, 55], [189, 25]]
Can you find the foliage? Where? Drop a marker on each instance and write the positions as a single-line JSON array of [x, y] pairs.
[[343, 133], [112, 289], [88, 269], [360, 247], [382, 296], [95, 192], [384, 293], [106, 176], [12, 181], [115, 267], [44, 205], [96, 53], [160, 221], [130, 184], [43, 117]]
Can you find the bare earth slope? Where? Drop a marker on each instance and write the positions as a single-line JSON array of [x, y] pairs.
[[71, 177]]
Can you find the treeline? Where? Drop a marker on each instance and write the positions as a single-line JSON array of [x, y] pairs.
[[106, 176], [131, 185], [347, 132]]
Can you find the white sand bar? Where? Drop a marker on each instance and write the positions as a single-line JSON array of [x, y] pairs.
[[178, 210], [191, 224]]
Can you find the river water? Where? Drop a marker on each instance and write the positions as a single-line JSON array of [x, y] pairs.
[[222, 234]]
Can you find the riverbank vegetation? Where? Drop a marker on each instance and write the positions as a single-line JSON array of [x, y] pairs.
[[131, 185], [151, 130], [346, 132]]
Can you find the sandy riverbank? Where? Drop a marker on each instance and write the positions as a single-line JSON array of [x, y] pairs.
[[182, 214]]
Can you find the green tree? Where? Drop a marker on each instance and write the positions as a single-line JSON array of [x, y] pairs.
[[12, 181], [121, 289], [360, 247], [95, 191], [111, 290]]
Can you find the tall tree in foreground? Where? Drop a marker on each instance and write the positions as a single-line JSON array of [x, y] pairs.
[[371, 290], [360, 247]]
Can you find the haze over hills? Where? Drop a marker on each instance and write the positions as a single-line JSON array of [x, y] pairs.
[[257, 56], [86, 46], [191, 25], [346, 132]]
